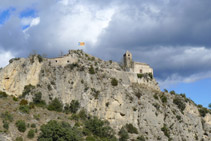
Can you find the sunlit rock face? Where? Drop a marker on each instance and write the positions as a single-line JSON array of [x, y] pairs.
[[105, 90]]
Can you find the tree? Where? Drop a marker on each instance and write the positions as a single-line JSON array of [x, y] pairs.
[[21, 125], [209, 105], [123, 134], [55, 105], [74, 106], [62, 131]]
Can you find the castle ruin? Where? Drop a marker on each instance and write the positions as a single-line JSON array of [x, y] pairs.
[[136, 67]]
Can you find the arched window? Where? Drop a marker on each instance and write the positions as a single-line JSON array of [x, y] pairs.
[[140, 70]]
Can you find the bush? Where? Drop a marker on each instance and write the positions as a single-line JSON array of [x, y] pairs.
[[7, 116], [209, 105], [37, 100], [54, 131], [72, 66], [140, 138], [163, 98], [30, 134], [82, 114], [24, 109], [27, 90], [23, 102], [33, 125], [114, 82], [74, 106], [3, 94], [40, 58], [180, 103], [90, 138], [15, 98], [203, 111], [91, 70], [95, 93], [99, 128], [150, 75], [19, 139], [131, 129], [165, 131], [55, 105], [6, 124], [123, 135], [139, 75], [155, 96], [172, 92], [21, 125]]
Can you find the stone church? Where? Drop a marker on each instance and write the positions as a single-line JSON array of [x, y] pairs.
[[136, 67]]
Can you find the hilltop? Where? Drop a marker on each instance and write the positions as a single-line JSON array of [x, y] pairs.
[[130, 102]]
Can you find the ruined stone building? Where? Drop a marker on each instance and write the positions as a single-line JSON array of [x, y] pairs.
[[136, 67]]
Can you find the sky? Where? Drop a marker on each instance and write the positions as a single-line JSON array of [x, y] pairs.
[[173, 37]]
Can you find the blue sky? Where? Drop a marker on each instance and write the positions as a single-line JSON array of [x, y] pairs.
[[172, 36], [199, 91]]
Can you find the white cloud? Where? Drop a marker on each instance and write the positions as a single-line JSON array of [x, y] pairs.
[[5, 56]]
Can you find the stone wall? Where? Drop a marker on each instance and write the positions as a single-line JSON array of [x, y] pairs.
[[141, 68]]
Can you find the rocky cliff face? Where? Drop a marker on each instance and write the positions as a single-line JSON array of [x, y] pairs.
[[104, 89]]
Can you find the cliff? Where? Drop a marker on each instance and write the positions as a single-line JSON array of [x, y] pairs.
[[105, 90]]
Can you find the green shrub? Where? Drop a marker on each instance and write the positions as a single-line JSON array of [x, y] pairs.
[[5, 124], [19, 139], [180, 103], [131, 129], [37, 100], [40, 58], [24, 109], [178, 117], [74, 106], [55, 105], [90, 138], [140, 138], [140, 75], [150, 75], [27, 90], [203, 111], [33, 125], [59, 131], [72, 66], [30, 134], [91, 70], [114, 82], [99, 128], [3, 94], [7, 116], [163, 98], [82, 114], [172, 92], [23, 102], [49, 87], [165, 90], [155, 96], [21, 125], [95, 93], [165, 131], [123, 135], [209, 105], [15, 98]]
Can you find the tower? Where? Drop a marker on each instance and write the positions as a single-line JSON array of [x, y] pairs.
[[127, 57]]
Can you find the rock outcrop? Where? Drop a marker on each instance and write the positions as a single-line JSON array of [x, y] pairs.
[[82, 77]]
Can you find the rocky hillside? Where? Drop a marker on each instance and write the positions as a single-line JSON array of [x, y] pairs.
[[105, 90]]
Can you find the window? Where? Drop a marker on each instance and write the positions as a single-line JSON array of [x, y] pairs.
[[56, 60], [140, 70]]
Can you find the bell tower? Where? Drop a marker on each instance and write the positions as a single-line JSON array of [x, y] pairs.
[[127, 59]]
